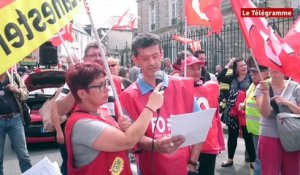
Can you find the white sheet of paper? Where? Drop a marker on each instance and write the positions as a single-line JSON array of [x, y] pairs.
[[193, 126], [44, 167]]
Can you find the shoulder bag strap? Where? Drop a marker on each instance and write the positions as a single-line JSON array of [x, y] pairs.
[[273, 102]]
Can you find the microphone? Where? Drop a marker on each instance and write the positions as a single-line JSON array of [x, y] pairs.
[[111, 99], [159, 77]]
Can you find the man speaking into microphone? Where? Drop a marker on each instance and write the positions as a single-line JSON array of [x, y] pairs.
[[160, 153]]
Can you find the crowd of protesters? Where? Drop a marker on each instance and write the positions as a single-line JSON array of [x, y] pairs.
[[96, 134]]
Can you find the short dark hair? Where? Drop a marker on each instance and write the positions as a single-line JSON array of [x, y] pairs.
[[180, 56], [81, 75], [145, 40], [197, 52], [92, 45]]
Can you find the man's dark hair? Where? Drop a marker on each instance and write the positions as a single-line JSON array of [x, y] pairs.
[[180, 56], [145, 40], [90, 45], [197, 52]]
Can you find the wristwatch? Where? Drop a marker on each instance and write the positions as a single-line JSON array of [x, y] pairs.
[[196, 164]]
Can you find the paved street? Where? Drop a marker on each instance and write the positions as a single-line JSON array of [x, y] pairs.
[[39, 151], [240, 167]]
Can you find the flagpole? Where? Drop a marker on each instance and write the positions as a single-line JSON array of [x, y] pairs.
[[11, 79], [12, 70], [106, 33], [65, 46], [256, 66], [185, 45], [103, 58]]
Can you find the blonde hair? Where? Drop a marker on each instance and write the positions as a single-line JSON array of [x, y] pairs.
[[112, 60]]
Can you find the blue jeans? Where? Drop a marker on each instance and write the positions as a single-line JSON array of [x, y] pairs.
[[15, 130], [257, 165], [64, 156]]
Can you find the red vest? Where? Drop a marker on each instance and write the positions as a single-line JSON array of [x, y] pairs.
[[106, 163], [207, 97], [178, 99]]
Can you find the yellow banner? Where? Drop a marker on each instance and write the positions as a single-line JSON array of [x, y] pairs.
[[25, 25]]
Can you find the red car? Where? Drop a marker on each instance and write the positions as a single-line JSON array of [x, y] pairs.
[[41, 86]]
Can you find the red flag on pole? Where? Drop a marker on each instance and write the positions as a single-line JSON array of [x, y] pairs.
[[205, 13], [181, 39], [194, 44], [261, 23], [267, 47], [293, 35], [125, 22], [66, 34]]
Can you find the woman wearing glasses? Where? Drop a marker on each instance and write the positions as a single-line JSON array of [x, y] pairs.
[[113, 65], [95, 144]]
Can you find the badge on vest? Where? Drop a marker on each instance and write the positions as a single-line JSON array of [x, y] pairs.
[[117, 166]]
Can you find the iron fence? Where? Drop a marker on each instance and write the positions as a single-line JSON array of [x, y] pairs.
[[220, 48]]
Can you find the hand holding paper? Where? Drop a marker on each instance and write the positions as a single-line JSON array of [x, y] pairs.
[[170, 144], [193, 126]]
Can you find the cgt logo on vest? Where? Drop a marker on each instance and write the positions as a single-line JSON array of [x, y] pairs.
[[162, 124], [202, 103], [25, 22]]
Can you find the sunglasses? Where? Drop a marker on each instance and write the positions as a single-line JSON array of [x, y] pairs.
[[112, 65]]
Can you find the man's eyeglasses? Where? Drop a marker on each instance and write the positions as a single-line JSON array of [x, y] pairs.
[[101, 86], [112, 65]]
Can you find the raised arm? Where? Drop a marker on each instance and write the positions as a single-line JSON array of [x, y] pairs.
[[113, 139], [263, 99]]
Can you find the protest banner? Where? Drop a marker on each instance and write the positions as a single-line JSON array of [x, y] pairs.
[[25, 25]]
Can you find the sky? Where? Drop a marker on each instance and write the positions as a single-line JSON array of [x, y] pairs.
[[101, 10]]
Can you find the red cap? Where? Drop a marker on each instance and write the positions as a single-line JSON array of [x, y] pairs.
[[191, 60]]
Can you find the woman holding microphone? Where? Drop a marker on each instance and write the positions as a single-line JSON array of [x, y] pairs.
[[95, 144]]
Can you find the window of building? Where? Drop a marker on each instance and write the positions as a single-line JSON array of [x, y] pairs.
[[172, 12], [152, 12]]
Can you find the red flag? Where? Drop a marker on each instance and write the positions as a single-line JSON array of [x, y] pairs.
[[237, 5], [66, 34], [293, 35], [181, 39], [194, 44], [205, 13], [125, 22], [267, 47], [5, 3]]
